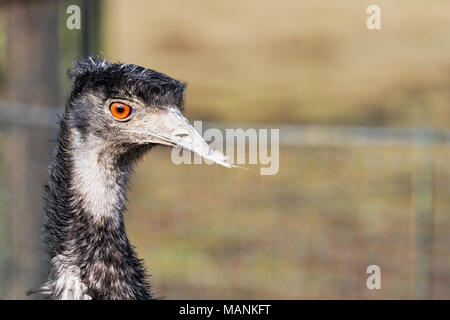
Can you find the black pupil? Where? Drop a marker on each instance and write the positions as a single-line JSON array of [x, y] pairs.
[[120, 108]]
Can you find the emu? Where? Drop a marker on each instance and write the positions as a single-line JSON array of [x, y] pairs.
[[114, 115]]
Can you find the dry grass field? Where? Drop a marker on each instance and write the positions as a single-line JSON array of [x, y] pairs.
[[293, 61], [308, 232], [311, 230]]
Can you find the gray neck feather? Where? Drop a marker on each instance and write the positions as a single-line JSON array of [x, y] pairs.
[[90, 253]]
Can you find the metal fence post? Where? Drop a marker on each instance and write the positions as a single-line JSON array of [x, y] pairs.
[[422, 205], [32, 77]]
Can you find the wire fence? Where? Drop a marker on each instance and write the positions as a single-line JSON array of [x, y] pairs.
[[345, 198]]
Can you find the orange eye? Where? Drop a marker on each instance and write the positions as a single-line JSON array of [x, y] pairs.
[[119, 110]]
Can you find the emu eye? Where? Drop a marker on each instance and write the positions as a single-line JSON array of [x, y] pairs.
[[120, 111]]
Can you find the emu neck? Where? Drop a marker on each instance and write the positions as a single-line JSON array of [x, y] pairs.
[[89, 249], [97, 181]]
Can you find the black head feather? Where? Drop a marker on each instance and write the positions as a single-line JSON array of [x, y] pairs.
[[126, 80]]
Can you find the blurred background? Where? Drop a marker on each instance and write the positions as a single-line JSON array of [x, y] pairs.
[[364, 120]]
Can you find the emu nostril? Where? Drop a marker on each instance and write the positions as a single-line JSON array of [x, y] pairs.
[[181, 133]]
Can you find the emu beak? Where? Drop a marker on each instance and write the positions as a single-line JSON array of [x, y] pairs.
[[170, 127]]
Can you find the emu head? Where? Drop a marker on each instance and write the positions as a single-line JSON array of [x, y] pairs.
[[129, 109]]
